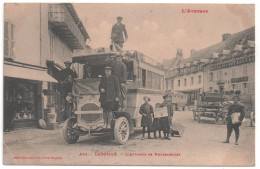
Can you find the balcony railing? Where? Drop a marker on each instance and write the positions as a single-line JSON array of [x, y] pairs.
[[64, 25]]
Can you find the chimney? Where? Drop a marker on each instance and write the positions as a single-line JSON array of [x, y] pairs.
[[225, 36], [192, 52], [179, 54]]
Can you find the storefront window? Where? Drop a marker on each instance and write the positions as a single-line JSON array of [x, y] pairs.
[[22, 95]]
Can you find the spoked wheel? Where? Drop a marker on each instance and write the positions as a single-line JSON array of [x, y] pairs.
[[69, 134], [121, 130]]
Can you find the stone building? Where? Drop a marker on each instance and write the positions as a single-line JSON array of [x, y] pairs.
[[38, 38], [234, 67], [169, 66], [224, 67]]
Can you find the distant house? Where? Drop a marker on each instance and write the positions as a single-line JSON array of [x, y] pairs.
[[223, 67]]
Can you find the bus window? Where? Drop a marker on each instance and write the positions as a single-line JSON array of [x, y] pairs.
[[130, 71], [143, 77], [149, 80]]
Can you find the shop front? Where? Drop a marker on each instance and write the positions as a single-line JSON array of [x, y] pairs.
[[23, 94], [192, 96]]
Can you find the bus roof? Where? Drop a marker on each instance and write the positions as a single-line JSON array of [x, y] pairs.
[[101, 57]]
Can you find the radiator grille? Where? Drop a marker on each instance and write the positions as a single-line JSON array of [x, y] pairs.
[[91, 117], [89, 107]]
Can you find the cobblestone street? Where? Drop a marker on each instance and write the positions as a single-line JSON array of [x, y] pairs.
[[201, 144]]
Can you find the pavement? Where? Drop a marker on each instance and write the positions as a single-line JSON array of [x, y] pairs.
[[200, 145]]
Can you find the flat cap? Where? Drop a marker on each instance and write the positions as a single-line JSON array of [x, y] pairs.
[[68, 62], [108, 67]]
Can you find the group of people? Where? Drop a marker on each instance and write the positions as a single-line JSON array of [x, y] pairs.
[[113, 90], [112, 86], [157, 124]]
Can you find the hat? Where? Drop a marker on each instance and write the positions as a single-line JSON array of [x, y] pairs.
[[119, 55], [236, 97], [67, 62], [108, 67], [165, 96], [147, 98], [119, 17]]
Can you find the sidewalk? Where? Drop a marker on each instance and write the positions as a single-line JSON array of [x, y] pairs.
[[24, 134]]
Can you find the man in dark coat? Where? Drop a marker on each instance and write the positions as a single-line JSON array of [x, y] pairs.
[[9, 112], [146, 110], [166, 122], [120, 71], [66, 78], [236, 107], [109, 93], [117, 33]]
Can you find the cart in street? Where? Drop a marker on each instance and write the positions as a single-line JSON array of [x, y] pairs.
[[210, 106]]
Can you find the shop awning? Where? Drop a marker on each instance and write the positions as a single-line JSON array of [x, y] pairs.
[[27, 73]]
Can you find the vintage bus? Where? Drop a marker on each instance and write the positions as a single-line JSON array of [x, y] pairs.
[[145, 78]]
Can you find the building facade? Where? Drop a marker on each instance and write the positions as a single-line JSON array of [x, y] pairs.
[[38, 38], [224, 67]]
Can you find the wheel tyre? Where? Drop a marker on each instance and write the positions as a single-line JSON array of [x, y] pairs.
[[121, 130], [68, 136]]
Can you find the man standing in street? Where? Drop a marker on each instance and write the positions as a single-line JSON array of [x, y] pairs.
[[236, 107], [120, 71], [109, 92], [66, 78], [166, 122], [117, 33]]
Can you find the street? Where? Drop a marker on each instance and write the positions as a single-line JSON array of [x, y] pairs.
[[200, 145]]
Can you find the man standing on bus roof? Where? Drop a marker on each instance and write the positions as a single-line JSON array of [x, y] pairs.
[[120, 71], [109, 93], [117, 33]]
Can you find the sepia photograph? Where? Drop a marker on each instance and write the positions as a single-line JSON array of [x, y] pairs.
[[129, 84]]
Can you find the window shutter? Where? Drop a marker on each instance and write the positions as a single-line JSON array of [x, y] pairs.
[[9, 40], [6, 40]]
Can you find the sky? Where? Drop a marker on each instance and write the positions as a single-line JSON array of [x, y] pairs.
[[157, 30]]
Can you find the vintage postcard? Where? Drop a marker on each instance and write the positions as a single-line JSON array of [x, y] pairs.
[[133, 84]]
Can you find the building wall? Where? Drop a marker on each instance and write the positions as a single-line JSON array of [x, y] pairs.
[[32, 35], [26, 18], [226, 76], [189, 86], [61, 51]]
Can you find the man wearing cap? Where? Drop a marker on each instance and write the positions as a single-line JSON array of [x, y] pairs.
[[66, 78], [109, 93], [117, 33], [120, 71], [166, 122], [236, 107]]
